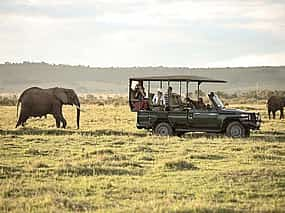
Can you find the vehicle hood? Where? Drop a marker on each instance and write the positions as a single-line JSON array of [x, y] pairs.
[[233, 111]]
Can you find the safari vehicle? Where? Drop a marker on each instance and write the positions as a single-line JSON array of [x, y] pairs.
[[172, 116]]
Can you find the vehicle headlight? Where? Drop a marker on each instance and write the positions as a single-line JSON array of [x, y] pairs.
[[258, 116], [244, 116]]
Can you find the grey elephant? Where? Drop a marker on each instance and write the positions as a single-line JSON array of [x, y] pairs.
[[38, 102], [274, 104]]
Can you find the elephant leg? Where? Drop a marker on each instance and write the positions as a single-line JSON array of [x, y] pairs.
[[57, 121], [63, 121], [57, 114], [273, 113], [22, 119], [281, 113], [269, 112]]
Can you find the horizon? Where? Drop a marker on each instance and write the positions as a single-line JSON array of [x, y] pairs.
[[122, 67]]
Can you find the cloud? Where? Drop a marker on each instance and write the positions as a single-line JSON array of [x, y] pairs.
[[46, 9], [141, 32]]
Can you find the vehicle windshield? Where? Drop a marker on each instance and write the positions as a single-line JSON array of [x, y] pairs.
[[217, 101]]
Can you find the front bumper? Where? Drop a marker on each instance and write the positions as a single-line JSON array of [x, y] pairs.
[[253, 121]]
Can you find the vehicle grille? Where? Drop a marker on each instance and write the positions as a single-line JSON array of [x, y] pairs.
[[253, 117]]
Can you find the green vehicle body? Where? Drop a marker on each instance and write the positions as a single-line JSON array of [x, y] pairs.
[[213, 119], [189, 120]]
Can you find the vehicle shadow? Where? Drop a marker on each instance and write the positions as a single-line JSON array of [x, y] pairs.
[[59, 132], [267, 136]]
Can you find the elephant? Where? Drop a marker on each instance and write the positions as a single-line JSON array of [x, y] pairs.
[[38, 102], [274, 104]]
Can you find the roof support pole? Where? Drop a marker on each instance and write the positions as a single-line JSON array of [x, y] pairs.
[[160, 84], [168, 95], [130, 95], [199, 82], [180, 87], [187, 89], [148, 88]]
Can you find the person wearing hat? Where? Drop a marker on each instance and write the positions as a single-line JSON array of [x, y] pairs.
[[158, 98]]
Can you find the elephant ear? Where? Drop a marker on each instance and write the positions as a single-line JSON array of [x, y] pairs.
[[61, 95]]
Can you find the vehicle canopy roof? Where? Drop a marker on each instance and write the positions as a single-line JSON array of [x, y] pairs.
[[189, 78]]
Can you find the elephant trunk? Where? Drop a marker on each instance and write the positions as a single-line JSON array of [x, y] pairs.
[[77, 104]]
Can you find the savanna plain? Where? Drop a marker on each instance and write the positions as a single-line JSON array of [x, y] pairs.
[[110, 166]]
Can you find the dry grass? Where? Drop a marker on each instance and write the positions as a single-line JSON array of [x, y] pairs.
[[110, 166]]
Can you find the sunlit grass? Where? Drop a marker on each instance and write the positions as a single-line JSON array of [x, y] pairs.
[[109, 165]]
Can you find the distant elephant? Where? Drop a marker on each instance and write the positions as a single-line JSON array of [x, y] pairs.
[[274, 104], [38, 102]]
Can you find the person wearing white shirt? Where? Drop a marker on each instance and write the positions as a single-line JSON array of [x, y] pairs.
[[158, 98]]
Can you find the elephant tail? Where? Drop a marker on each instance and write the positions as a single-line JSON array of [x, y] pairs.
[[18, 107]]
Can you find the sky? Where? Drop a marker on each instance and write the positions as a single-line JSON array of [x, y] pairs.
[[126, 33]]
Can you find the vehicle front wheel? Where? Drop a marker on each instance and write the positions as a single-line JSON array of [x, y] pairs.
[[163, 129], [236, 130], [247, 132]]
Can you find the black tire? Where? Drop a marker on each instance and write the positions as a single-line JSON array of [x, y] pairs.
[[247, 132], [235, 130], [163, 129]]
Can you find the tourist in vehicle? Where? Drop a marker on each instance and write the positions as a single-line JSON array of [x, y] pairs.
[[172, 100], [190, 103], [158, 98], [140, 101], [168, 95], [139, 91], [201, 104]]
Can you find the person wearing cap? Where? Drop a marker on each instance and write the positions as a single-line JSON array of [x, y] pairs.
[[158, 98]]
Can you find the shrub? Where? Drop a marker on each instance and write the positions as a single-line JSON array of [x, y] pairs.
[[180, 165]]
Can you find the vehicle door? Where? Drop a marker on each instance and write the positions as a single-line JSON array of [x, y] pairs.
[[178, 118], [205, 119]]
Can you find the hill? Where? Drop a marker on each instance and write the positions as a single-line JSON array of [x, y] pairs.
[[114, 80]]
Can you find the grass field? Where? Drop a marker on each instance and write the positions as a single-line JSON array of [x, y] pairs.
[[109, 165]]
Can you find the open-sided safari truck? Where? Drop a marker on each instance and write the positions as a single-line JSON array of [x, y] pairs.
[[171, 114]]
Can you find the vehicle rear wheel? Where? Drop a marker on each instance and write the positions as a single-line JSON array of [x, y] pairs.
[[235, 130], [163, 129]]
